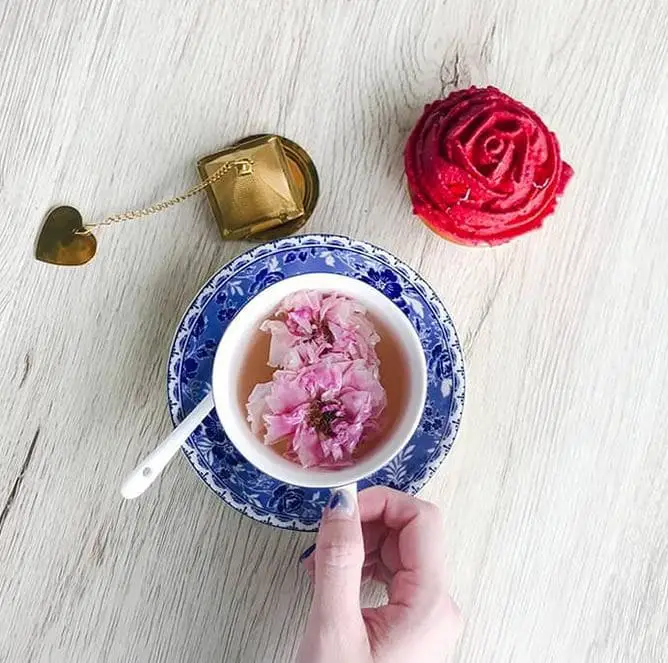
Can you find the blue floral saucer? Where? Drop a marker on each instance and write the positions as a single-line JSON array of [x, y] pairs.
[[209, 451]]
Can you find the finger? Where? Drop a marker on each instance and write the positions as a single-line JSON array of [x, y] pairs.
[[391, 507], [418, 523], [371, 558], [339, 555], [414, 548], [374, 534], [389, 552]]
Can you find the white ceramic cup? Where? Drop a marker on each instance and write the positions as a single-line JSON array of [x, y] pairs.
[[232, 351]]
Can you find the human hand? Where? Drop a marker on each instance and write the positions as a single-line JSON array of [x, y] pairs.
[[398, 540]]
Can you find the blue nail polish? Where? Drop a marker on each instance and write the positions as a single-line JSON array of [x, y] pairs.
[[335, 501], [340, 502], [307, 553]]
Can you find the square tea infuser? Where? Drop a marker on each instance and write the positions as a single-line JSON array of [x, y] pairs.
[[273, 201], [255, 196]]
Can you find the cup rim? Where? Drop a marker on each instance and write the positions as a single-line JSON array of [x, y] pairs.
[[248, 445]]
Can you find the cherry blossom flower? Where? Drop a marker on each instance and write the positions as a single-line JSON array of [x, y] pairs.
[[323, 409], [310, 325]]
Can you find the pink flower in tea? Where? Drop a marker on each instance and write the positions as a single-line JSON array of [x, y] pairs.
[[309, 325], [323, 410]]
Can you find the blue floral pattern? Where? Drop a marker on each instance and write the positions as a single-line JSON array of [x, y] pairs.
[[214, 457]]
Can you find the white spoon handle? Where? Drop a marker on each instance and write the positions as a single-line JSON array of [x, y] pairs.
[[148, 470]]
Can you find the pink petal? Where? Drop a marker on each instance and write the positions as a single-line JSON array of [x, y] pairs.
[[358, 405], [281, 341], [257, 406], [293, 359], [301, 321], [306, 445], [280, 425], [347, 436], [307, 299], [322, 381], [287, 393]]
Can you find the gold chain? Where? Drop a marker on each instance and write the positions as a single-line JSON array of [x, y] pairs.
[[245, 168]]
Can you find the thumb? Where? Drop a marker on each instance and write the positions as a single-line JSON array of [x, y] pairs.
[[339, 556]]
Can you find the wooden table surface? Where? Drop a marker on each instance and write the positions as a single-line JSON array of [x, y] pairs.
[[556, 493]]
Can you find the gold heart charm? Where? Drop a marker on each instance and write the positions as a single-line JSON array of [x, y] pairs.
[[64, 240]]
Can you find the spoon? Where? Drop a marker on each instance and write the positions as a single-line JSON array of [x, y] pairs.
[[150, 468]]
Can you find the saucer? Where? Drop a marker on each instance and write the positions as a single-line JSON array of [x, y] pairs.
[[214, 457]]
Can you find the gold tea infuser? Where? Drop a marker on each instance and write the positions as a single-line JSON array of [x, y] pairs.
[[262, 188]]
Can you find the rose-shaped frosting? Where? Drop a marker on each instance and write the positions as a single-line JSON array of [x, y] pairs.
[[483, 168]]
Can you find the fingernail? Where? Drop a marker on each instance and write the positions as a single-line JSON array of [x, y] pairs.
[[307, 553], [340, 505]]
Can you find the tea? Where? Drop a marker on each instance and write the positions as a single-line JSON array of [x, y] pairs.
[[393, 376]]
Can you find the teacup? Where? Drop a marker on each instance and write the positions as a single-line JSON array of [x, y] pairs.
[[232, 350]]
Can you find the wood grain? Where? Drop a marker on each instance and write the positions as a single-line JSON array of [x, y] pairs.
[[556, 493]]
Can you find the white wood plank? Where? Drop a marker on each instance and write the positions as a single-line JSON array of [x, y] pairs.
[[555, 494]]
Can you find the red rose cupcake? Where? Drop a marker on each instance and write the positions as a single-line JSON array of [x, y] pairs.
[[482, 168]]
